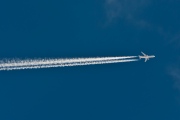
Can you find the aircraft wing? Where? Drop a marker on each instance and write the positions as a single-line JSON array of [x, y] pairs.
[[145, 60], [143, 53]]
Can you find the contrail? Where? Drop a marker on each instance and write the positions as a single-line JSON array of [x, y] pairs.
[[56, 61], [47, 63]]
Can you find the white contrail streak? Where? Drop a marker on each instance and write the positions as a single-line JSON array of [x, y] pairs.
[[11, 63], [47, 63], [31, 66]]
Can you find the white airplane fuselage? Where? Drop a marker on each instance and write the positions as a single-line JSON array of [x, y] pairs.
[[146, 57]]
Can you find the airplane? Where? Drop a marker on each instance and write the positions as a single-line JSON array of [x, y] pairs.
[[146, 57]]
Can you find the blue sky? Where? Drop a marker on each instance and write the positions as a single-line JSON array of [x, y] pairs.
[[67, 29]]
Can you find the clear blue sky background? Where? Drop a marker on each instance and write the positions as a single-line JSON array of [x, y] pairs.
[[91, 28]]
